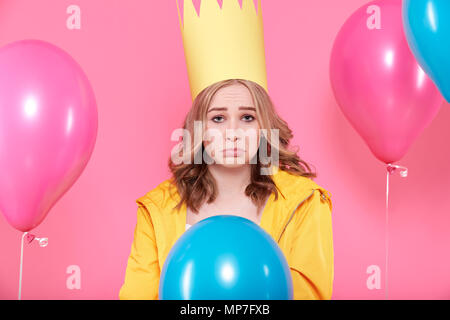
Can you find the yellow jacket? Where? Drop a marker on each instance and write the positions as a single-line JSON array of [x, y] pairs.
[[299, 221]]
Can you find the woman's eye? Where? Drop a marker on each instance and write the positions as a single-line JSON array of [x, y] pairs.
[[213, 119], [251, 117]]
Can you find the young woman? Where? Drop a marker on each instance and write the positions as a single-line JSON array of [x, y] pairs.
[[232, 178]]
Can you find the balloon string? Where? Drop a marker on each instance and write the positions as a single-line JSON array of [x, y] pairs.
[[21, 263], [43, 242], [403, 173], [386, 238]]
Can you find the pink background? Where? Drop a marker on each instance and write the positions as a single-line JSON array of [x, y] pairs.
[[132, 53]]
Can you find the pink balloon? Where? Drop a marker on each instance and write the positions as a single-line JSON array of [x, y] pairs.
[[48, 128], [377, 82]]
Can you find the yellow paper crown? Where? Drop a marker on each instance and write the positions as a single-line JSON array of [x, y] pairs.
[[223, 43]]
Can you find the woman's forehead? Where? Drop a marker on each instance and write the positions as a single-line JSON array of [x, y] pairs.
[[233, 96]]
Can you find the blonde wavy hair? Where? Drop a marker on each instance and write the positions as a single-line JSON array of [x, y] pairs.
[[194, 182]]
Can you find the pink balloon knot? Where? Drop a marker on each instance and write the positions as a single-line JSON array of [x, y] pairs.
[[30, 237], [392, 168]]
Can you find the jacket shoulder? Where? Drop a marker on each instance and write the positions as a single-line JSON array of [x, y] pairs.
[[290, 183], [161, 195]]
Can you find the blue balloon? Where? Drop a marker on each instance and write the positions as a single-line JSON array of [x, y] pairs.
[[225, 257], [427, 28]]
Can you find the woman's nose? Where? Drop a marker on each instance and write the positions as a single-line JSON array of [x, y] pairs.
[[232, 137], [233, 132], [233, 124]]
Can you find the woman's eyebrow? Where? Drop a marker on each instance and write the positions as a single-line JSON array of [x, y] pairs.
[[225, 109]]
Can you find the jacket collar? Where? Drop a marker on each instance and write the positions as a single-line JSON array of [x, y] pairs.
[[170, 224], [292, 190]]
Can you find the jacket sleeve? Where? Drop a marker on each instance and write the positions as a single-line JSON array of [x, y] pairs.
[[142, 273], [312, 257]]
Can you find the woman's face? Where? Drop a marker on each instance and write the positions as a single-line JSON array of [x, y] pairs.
[[231, 123]]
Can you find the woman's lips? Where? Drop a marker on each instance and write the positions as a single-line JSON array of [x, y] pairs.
[[233, 152]]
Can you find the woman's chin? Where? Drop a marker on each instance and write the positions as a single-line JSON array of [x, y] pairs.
[[231, 162]]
